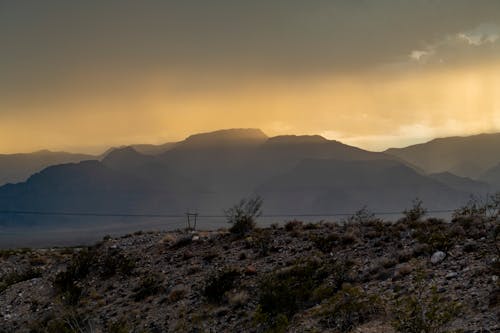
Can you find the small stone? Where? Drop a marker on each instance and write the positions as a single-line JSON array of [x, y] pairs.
[[494, 278], [250, 270], [451, 275], [196, 238], [187, 254], [437, 257]]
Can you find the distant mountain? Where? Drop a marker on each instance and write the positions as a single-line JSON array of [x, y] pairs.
[[328, 186], [224, 138], [89, 186], [462, 184], [211, 171], [145, 149], [225, 164], [18, 167], [492, 177], [153, 149], [468, 156], [150, 170]]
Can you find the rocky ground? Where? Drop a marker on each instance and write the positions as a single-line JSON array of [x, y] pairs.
[[365, 276]]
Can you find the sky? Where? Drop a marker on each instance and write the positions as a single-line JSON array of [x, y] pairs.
[[85, 75]]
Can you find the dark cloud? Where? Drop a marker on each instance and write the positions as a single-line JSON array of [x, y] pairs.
[[55, 52], [234, 35]]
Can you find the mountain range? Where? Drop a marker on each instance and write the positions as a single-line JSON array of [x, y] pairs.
[[210, 171]]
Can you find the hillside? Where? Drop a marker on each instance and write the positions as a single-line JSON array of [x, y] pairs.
[[16, 168], [360, 277], [468, 156], [327, 185], [88, 186], [492, 176]]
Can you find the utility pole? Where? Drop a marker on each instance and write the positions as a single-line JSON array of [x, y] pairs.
[[191, 217]]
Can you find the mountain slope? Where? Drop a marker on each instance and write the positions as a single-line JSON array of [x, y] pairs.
[[332, 186], [468, 156], [462, 184], [492, 177], [89, 187], [18, 167], [211, 171]]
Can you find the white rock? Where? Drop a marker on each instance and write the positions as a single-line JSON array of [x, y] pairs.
[[437, 257], [451, 275]]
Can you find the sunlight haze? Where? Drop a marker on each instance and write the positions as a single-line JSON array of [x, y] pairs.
[[396, 73]]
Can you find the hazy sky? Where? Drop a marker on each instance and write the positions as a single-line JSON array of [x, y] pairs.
[[84, 75]]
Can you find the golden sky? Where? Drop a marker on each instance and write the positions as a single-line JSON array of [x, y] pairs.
[[375, 74]]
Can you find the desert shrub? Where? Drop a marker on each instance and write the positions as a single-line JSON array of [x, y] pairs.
[[495, 262], [16, 277], [116, 262], [424, 310], [475, 207], [119, 326], [148, 286], [66, 282], [6, 253], [70, 321], [242, 215], [348, 238], [348, 308], [364, 215], [436, 234], [263, 243], [493, 206], [238, 299], [177, 294], [341, 271], [210, 256], [182, 242], [278, 324], [312, 226], [292, 225], [219, 283], [286, 291], [416, 212], [325, 243]]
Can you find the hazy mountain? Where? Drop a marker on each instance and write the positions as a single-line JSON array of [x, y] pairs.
[[462, 184], [150, 170], [224, 138], [468, 156], [145, 149], [153, 149], [492, 177], [211, 171], [224, 163], [18, 167], [89, 186], [327, 186]]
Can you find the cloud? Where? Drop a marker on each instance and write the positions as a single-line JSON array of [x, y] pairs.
[[421, 55], [470, 46], [483, 34]]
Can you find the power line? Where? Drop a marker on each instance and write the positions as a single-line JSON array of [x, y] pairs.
[[160, 215]]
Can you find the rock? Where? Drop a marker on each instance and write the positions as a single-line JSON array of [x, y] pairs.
[[402, 270], [187, 255], [437, 257], [451, 275], [250, 270]]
